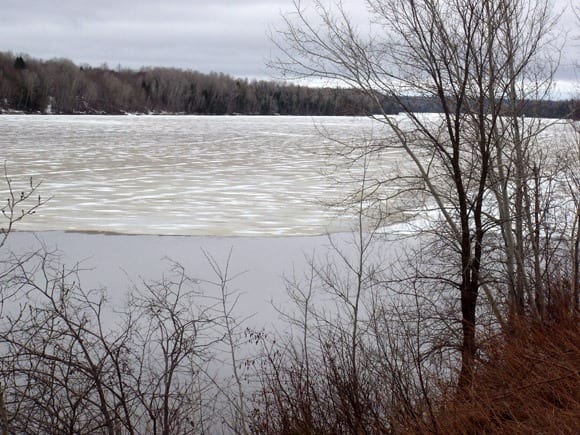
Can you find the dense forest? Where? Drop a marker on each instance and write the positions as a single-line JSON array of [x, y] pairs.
[[59, 86]]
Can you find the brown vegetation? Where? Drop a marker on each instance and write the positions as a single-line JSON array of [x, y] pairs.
[[528, 382], [525, 380]]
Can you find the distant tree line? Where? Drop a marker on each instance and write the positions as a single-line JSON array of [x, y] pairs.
[[59, 86]]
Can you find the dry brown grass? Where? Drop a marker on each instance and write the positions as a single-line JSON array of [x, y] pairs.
[[529, 383]]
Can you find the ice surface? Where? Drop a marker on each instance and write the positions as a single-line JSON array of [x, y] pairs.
[[197, 175], [179, 175]]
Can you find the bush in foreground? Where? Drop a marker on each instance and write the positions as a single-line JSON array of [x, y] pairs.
[[528, 383]]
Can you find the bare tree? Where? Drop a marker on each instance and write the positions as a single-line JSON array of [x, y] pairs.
[[361, 353], [481, 61], [229, 382], [71, 364], [20, 203]]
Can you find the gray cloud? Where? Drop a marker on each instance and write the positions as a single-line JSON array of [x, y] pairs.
[[227, 36], [218, 35]]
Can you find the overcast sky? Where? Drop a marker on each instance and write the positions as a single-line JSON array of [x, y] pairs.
[[227, 36]]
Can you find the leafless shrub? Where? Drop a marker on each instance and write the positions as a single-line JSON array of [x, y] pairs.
[[69, 365]]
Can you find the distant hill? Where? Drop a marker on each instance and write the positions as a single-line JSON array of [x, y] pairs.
[[59, 86]]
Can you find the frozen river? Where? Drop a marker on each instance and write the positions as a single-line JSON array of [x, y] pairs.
[[258, 183], [249, 176], [180, 175]]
